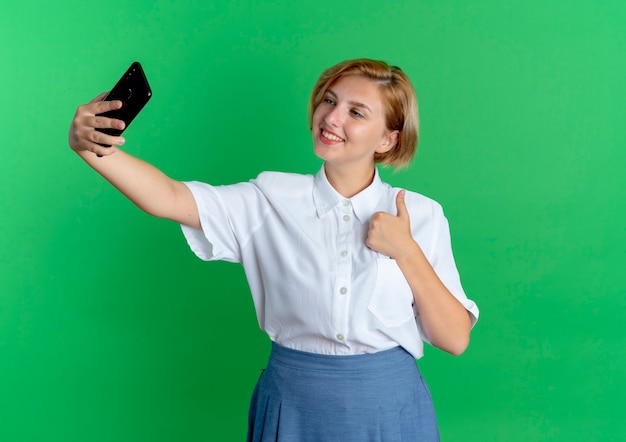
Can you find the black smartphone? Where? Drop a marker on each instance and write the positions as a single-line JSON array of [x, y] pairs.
[[133, 91]]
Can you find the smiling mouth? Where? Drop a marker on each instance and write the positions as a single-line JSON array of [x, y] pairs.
[[330, 136]]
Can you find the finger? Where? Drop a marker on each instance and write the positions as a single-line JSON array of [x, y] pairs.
[[104, 151], [100, 150], [100, 107], [100, 97], [370, 240], [101, 122], [401, 205], [96, 108], [96, 139]]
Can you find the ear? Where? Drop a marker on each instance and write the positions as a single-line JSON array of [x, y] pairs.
[[389, 141]]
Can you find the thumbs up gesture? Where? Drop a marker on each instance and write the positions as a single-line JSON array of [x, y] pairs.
[[391, 234]]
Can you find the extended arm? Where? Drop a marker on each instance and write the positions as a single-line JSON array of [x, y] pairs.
[[145, 185], [445, 320]]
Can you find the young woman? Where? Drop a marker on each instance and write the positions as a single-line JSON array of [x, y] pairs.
[[349, 276]]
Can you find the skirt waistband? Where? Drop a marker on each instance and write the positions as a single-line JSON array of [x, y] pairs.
[[361, 362]]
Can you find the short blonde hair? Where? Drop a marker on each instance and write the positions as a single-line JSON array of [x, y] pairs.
[[399, 103]]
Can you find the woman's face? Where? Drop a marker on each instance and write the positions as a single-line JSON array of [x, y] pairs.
[[349, 124]]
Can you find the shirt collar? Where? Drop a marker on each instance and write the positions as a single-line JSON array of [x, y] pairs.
[[364, 203]]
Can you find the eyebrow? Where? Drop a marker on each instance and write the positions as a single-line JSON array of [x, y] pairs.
[[352, 103]]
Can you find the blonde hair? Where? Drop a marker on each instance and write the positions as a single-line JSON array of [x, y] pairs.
[[399, 103]]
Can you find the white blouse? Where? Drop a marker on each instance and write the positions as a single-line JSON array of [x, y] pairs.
[[316, 286]]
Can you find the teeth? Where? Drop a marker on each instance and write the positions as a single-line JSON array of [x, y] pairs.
[[331, 136]]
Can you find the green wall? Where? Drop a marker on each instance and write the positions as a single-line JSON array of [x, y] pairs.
[[111, 330]]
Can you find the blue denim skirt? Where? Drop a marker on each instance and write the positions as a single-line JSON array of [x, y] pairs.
[[308, 397]]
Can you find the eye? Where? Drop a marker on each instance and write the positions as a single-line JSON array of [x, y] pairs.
[[355, 113], [329, 100]]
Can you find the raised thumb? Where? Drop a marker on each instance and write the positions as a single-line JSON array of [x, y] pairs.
[[400, 205]]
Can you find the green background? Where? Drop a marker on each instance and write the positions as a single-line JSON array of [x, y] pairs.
[[110, 328]]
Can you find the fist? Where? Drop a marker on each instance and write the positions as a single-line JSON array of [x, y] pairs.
[[83, 135], [391, 234]]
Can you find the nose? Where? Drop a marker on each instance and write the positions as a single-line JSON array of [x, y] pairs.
[[333, 117]]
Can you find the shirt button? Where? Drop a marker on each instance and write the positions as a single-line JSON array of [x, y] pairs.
[[343, 290], [346, 217], [346, 203], [344, 253], [339, 337]]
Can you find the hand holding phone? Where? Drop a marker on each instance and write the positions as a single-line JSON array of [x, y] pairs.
[[134, 92]]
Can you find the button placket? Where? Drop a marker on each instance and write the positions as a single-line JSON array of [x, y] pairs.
[[341, 296]]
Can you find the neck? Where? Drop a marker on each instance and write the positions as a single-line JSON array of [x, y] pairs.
[[349, 182]]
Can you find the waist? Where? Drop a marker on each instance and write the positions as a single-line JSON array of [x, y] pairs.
[[360, 362]]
